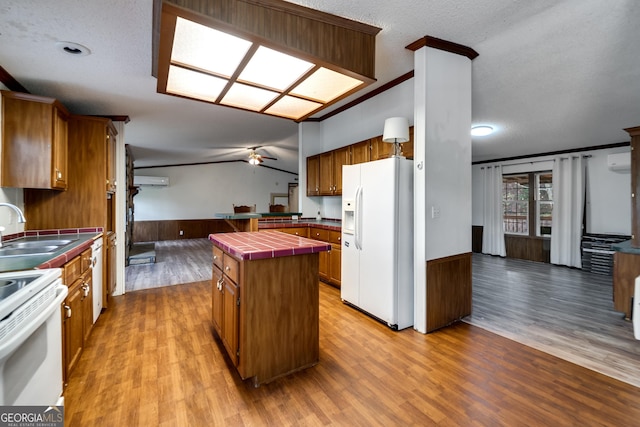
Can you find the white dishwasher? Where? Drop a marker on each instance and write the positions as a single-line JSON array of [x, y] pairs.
[[96, 277]]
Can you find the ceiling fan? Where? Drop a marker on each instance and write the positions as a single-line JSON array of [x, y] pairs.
[[255, 158]]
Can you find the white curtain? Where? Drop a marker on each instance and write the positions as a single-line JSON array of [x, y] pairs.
[[568, 209], [493, 230]]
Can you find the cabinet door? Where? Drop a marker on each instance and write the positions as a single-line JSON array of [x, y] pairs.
[[73, 327], [326, 173], [87, 306], [216, 309], [60, 147], [334, 264], [313, 176], [340, 158], [380, 149], [230, 320], [407, 147], [323, 265], [361, 152]]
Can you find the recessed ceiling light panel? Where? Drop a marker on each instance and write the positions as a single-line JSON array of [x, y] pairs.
[[194, 84], [248, 97], [208, 49], [325, 85], [481, 130], [274, 69], [292, 107]]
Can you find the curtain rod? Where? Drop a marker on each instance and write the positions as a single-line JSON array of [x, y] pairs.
[[584, 156]]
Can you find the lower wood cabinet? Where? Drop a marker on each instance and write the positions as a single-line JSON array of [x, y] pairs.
[[265, 313], [77, 311]]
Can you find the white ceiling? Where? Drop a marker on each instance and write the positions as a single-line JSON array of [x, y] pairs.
[[551, 74]]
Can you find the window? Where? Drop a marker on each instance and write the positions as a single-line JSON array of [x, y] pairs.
[[526, 212]]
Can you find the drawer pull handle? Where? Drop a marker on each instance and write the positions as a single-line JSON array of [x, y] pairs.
[[68, 311]]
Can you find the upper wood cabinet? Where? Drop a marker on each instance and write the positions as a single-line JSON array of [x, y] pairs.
[[361, 152], [34, 136], [313, 176], [324, 170], [331, 164]]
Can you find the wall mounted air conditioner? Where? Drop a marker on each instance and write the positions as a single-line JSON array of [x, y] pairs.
[[620, 162], [158, 181]]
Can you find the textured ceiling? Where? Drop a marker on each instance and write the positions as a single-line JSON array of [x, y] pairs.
[[551, 74]]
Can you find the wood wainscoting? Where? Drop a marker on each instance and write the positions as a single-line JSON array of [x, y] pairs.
[[155, 231], [448, 290], [520, 247]]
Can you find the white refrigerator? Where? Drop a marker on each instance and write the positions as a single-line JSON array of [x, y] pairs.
[[377, 239]]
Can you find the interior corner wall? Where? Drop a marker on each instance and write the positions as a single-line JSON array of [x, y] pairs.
[[121, 206], [200, 191]]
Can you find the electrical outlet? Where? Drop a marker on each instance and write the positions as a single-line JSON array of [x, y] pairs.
[[182, 232], [435, 212]]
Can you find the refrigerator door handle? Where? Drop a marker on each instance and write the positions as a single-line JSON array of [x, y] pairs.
[[358, 219]]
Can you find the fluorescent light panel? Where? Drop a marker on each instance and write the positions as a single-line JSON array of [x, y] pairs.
[[203, 61]]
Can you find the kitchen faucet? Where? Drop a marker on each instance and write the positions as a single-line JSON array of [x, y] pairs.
[[21, 218]]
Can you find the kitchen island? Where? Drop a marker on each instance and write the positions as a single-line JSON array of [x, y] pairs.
[[265, 301]]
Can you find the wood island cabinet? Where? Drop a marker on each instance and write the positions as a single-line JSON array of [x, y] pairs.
[[34, 138], [265, 312]]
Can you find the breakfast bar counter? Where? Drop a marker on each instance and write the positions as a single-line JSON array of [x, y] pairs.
[[265, 302]]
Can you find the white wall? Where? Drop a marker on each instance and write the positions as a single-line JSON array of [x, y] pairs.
[[608, 209], [200, 191], [363, 121]]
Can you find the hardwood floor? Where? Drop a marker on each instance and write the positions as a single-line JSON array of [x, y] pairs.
[[561, 311], [152, 360], [177, 262]]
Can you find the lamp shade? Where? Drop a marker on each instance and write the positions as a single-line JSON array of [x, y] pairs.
[[396, 129]]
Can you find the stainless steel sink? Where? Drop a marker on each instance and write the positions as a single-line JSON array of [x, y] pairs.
[[33, 246], [36, 243], [40, 250]]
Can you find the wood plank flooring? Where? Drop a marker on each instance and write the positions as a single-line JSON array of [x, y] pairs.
[[561, 311], [152, 360], [177, 262]]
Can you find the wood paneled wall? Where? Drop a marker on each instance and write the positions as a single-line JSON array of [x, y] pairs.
[[154, 231], [521, 247], [448, 290]]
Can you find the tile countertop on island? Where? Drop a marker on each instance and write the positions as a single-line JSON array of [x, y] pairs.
[[82, 239], [261, 245]]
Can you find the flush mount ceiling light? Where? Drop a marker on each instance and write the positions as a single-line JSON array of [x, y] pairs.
[[228, 55], [482, 130], [73, 48]]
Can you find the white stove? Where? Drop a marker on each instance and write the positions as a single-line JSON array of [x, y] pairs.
[[31, 337]]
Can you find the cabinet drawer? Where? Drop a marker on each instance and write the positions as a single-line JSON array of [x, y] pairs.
[[297, 231], [85, 260], [319, 234], [72, 271], [335, 237], [217, 257], [231, 267]]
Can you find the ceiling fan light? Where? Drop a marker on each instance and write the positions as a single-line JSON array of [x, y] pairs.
[[254, 161]]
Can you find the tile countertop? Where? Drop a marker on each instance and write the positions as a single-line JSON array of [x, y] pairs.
[[261, 245], [625, 247], [83, 237], [326, 224]]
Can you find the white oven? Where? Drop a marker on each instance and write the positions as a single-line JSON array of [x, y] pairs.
[[31, 337]]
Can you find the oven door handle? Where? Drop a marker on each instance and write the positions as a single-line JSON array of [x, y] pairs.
[[9, 345]]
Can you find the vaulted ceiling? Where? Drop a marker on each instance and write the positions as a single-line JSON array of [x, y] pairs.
[[551, 74]]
